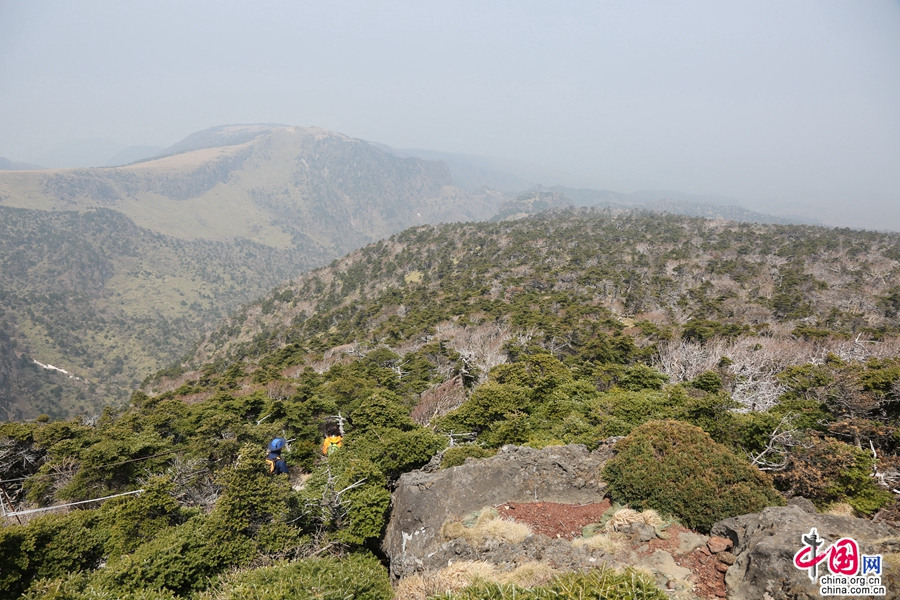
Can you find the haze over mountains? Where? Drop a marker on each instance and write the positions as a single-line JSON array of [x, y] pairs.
[[470, 173], [281, 186]]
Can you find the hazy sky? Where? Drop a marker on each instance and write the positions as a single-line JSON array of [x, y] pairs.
[[781, 105]]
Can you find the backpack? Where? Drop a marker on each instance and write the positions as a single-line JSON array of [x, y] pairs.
[[331, 444], [270, 464]]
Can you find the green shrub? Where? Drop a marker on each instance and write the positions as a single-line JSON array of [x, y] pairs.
[[358, 576], [708, 381], [351, 515], [603, 583], [457, 455], [102, 467], [395, 451], [48, 547], [247, 518], [131, 521], [515, 428], [15, 575], [641, 377], [831, 471], [79, 586], [624, 410], [540, 372], [250, 497], [381, 410], [181, 559], [489, 403], [677, 469]]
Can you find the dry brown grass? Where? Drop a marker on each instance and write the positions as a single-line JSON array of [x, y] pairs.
[[449, 579], [529, 574], [488, 526], [891, 562], [626, 516], [459, 575], [610, 543], [841, 509]]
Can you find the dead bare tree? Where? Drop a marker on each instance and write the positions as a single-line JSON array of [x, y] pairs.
[[774, 457], [18, 459], [439, 400], [194, 482], [279, 390], [757, 394], [329, 510], [480, 348], [683, 360]]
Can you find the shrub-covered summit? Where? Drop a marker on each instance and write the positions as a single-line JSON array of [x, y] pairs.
[[557, 273]]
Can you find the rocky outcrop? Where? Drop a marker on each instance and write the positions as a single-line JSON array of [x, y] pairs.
[[765, 544], [423, 502], [561, 554]]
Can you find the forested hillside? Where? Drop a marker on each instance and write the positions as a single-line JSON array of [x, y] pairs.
[[667, 272], [772, 351], [109, 302]]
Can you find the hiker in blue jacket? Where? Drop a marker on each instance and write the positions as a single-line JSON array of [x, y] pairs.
[[274, 461]]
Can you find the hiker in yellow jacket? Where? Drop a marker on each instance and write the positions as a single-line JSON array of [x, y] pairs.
[[331, 443], [334, 435]]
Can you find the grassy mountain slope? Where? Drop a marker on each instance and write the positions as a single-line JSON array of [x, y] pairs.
[[306, 188]]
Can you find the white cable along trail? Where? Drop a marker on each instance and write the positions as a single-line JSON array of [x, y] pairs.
[[35, 510]]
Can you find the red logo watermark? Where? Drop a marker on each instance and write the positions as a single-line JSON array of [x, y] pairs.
[[851, 573]]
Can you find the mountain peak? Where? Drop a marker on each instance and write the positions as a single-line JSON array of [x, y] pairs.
[[221, 135]]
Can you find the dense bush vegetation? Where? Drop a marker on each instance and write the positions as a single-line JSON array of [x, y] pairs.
[[573, 329], [677, 469], [110, 302]]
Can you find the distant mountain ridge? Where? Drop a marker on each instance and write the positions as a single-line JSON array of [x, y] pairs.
[[678, 203], [307, 188], [80, 153], [532, 203], [133, 154], [215, 137], [9, 165], [473, 173]]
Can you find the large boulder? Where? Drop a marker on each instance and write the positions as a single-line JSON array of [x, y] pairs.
[[765, 544], [423, 502]]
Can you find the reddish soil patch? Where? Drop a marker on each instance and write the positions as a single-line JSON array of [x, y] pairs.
[[709, 581], [555, 520], [567, 520]]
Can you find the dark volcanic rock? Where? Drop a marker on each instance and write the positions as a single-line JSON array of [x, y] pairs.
[[765, 544], [423, 502], [558, 553]]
